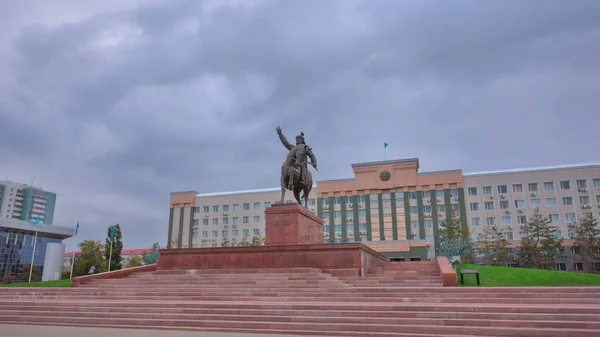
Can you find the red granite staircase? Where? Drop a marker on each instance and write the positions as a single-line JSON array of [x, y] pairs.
[[398, 299]]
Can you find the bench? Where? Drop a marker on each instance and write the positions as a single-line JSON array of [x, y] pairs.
[[468, 271]]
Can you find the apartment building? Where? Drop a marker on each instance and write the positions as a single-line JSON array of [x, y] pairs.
[[204, 220], [397, 210], [26, 202], [507, 199]]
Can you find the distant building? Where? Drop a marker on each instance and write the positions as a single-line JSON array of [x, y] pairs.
[[126, 255], [17, 241], [26, 202]]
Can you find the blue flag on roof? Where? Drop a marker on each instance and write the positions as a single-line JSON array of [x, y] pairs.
[[385, 145]]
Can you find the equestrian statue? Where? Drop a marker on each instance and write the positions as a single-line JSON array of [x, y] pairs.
[[295, 175]]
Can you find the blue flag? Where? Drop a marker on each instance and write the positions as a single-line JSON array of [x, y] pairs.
[[385, 145], [77, 228], [111, 235]]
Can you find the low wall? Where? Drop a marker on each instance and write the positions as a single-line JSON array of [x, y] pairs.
[[448, 273], [122, 273], [331, 257]]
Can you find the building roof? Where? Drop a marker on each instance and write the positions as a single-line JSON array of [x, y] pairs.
[[532, 169], [123, 252], [393, 161], [45, 230], [262, 190]]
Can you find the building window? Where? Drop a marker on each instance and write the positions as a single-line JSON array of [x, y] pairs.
[[551, 202], [236, 220], [504, 204], [311, 202], [204, 234], [225, 221], [558, 234], [490, 221], [205, 221], [206, 209], [362, 199], [489, 205], [535, 203], [235, 233], [337, 200], [533, 187], [362, 212], [257, 205], [474, 206], [325, 215], [414, 209], [196, 223], [454, 193], [522, 219], [549, 186], [502, 189], [426, 194], [565, 185], [349, 199], [439, 194], [196, 209], [582, 184], [414, 225], [325, 201], [554, 217], [225, 208], [427, 209], [428, 224], [472, 190], [475, 222], [236, 207], [597, 183], [256, 218], [349, 214], [570, 217], [441, 208], [246, 219], [598, 199], [508, 236], [246, 206], [412, 195], [326, 229], [337, 215], [506, 220], [363, 227], [194, 235], [215, 234], [256, 231], [215, 221], [567, 201], [224, 233], [338, 228], [584, 199], [487, 190], [522, 235], [519, 204], [216, 209], [518, 188], [267, 204]]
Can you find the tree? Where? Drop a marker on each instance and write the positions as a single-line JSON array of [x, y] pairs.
[[152, 256], [586, 235], [256, 241], [175, 244], [8, 277], [113, 232], [494, 247], [225, 242], [454, 239], [540, 247], [135, 261], [90, 255]]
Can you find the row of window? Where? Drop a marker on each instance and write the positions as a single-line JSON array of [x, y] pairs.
[[225, 233], [533, 187], [521, 219], [386, 196], [244, 206], [349, 228], [225, 221], [427, 209], [535, 203]]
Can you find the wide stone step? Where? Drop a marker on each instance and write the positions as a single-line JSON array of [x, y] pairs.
[[239, 271], [119, 311], [486, 330], [300, 318]]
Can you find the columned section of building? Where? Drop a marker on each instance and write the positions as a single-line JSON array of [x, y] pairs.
[[394, 203], [181, 219]]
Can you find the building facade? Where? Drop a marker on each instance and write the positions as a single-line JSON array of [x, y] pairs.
[[397, 210], [208, 220], [19, 244], [25, 202]]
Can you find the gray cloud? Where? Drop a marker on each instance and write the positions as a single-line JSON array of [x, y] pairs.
[[115, 107]]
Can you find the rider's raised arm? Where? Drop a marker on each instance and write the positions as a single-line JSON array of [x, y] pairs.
[[285, 142]]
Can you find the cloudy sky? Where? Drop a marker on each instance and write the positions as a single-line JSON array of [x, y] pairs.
[[114, 104]]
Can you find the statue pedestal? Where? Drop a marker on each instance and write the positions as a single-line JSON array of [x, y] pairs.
[[292, 224]]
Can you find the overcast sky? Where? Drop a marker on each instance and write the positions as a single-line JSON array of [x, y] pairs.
[[114, 104]]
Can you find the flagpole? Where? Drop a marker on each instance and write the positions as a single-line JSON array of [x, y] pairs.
[[72, 264], [32, 256]]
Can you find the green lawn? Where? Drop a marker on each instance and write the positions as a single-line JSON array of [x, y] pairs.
[[523, 277], [59, 283]]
